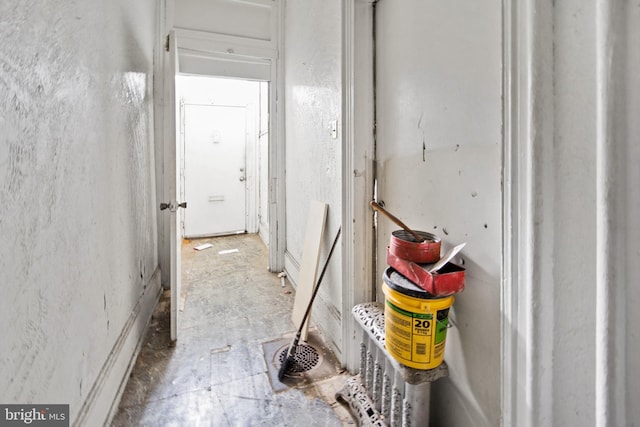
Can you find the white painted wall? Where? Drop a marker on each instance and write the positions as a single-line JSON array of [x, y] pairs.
[[78, 260], [313, 94], [439, 114]]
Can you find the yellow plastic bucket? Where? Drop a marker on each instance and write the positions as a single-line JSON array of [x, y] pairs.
[[415, 323]]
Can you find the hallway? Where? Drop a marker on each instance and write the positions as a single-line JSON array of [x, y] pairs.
[[221, 370]]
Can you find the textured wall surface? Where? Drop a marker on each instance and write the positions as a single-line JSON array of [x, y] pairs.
[[313, 162], [439, 170], [77, 191], [578, 308]]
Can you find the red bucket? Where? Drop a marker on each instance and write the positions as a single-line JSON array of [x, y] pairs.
[[403, 245]]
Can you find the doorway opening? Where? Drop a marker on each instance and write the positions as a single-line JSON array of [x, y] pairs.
[[223, 137], [263, 175]]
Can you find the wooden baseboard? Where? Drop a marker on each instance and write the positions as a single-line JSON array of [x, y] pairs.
[[102, 401]]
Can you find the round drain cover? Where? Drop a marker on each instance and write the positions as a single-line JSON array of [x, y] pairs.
[[305, 358]]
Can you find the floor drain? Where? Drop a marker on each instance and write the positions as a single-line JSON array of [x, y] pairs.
[[305, 358], [312, 362]]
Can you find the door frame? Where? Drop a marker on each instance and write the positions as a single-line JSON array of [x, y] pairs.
[[261, 55], [254, 60], [172, 180], [358, 170], [525, 384]]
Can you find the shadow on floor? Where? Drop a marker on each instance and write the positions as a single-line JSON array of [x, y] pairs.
[[235, 315]]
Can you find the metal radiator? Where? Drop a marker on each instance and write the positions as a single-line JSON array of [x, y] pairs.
[[386, 393]]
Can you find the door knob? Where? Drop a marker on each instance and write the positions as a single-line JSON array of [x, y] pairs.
[[242, 178], [172, 207]]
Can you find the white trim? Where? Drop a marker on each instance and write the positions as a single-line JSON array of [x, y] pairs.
[[172, 171], [103, 399], [202, 41], [508, 294], [229, 66], [158, 128], [277, 200], [265, 3], [517, 215], [349, 353], [603, 295], [252, 112], [528, 312], [611, 376], [357, 166], [226, 57], [182, 146]]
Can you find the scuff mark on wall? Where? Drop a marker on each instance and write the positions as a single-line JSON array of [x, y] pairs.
[[424, 141]]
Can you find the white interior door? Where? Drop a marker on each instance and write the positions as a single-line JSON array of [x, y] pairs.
[[172, 175], [215, 139]]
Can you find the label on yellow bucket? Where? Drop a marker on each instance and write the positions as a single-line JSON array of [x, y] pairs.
[[442, 324], [416, 328], [409, 335]]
